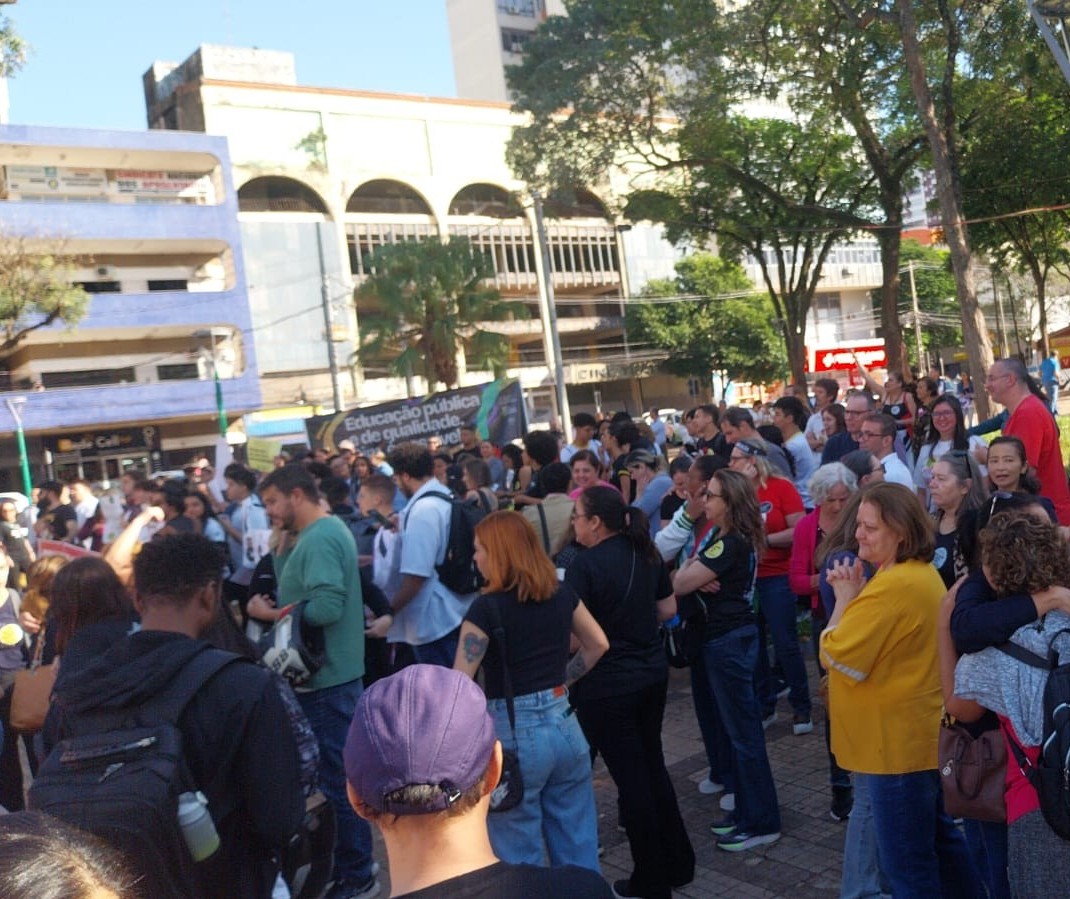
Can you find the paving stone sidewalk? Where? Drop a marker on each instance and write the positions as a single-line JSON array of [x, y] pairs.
[[804, 864]]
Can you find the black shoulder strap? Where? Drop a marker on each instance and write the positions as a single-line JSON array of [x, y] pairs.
[[507, 682], [1023, 655], [169, 705], [487, 505], [545, 529]]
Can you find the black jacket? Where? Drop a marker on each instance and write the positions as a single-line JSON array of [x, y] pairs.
[[237, 739]]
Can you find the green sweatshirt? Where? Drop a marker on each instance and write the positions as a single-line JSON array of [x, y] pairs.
[[322, 569]]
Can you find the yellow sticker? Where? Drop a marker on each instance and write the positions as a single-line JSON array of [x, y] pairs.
[[10, 635], [715, 551]]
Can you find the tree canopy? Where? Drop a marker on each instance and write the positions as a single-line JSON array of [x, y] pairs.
[[427, 302], [719, 324], [36, 288]]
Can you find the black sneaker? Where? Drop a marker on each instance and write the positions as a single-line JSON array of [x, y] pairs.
[[723, 826], [842, 802], [622, 889], [738, 841]]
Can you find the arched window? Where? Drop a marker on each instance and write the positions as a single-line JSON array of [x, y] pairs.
[[580, 204], [485, 200], [387, 197], [275, 194]]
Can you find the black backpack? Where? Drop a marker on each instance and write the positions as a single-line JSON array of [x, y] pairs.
[[458, 570], [120, 777], [1050, 776]]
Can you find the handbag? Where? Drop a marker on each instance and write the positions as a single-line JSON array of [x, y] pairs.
[[32, 691], [973, 771], [684, 635], [510, 789]]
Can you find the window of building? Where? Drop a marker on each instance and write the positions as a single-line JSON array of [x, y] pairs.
[[94, 378], [182, 371], [387, 197], [528, 8], [486, 200], [169, 284], [273, 194], [826, 307], [363, 240], [100, 286], [514, 40]]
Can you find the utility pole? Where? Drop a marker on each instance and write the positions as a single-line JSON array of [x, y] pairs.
[[1001, 327], [546, 298], [328, 322], [923, 364]]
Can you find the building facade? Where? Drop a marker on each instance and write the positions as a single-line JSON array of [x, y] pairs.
[[325, 177], [151, 218]]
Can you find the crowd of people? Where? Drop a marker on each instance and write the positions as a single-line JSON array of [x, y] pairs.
[[464, 632]]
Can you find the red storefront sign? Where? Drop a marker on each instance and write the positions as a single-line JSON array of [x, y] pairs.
[[842, 358]]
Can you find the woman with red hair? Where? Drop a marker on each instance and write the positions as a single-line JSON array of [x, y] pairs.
[[519, 630]]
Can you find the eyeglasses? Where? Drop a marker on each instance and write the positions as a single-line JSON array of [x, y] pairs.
[[989, 378], [709, 494], [576, 515]]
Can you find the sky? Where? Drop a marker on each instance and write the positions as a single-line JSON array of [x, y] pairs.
[[87, 58]]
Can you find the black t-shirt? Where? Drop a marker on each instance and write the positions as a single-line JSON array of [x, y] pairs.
[[536, 638], [505, 881], [670, 504], [731, 558], [57, 519], [600, 576], [14, 537]]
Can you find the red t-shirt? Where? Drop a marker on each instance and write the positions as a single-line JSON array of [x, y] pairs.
[[1034, 425], [1018, 793], [777, 499]]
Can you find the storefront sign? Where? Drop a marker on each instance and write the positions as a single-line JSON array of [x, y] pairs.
[[496, 409], [105, 443], [37, 180], [842, 357], [139, 183]]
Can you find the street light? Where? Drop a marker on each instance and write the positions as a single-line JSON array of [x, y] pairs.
[[208, 353], [14, 406]]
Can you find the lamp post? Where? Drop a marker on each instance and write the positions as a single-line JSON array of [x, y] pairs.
[[14, 406], [549, 311], [208, 354]]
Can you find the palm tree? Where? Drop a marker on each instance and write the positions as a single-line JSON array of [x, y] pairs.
[[429, 300]]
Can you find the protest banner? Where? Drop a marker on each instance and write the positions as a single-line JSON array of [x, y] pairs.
[[496, 410], [60, 548], [261, 452]]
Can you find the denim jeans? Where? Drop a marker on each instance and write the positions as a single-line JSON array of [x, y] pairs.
[[776, 611], [922, 853], [861, 874], [438, 652], [714, 737], [837, 776], [730, 661], [330, 712], [626, 730], [558, 808], [988, 846]]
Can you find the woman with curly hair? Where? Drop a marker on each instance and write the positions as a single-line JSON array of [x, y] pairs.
[[1021, 552]]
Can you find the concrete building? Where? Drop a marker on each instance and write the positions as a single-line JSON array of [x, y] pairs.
[[488, 35], [325, 176], [152, 218]]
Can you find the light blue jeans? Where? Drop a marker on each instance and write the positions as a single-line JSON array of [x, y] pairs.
[[861, 878], [558, 809]]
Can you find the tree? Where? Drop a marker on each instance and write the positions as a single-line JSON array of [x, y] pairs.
[[934, 284], [812, 55], [1029, 174], [36, 288], [13, 48], [599, 85], [720, 326], [429, 301]]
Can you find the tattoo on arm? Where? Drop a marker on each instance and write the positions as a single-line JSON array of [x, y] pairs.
[[575, 669], [474, 647]]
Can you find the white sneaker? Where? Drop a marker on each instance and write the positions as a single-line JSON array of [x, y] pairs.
[[728, 802], [709, 787], [769, 721]]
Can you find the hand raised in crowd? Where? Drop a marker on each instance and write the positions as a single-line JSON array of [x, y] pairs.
[[847, 579], [262, 607]]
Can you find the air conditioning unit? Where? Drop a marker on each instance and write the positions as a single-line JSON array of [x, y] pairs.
[[107, 272]]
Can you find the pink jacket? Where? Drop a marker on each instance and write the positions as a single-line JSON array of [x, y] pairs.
[[801, 567]]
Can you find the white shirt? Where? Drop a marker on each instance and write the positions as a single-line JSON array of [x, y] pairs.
[[815, 427], [895, 472], [569, 451]]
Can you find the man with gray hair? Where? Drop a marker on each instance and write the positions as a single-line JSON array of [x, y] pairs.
[[1031, 421]]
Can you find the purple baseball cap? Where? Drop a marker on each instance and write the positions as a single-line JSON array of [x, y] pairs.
[[425, 725]]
